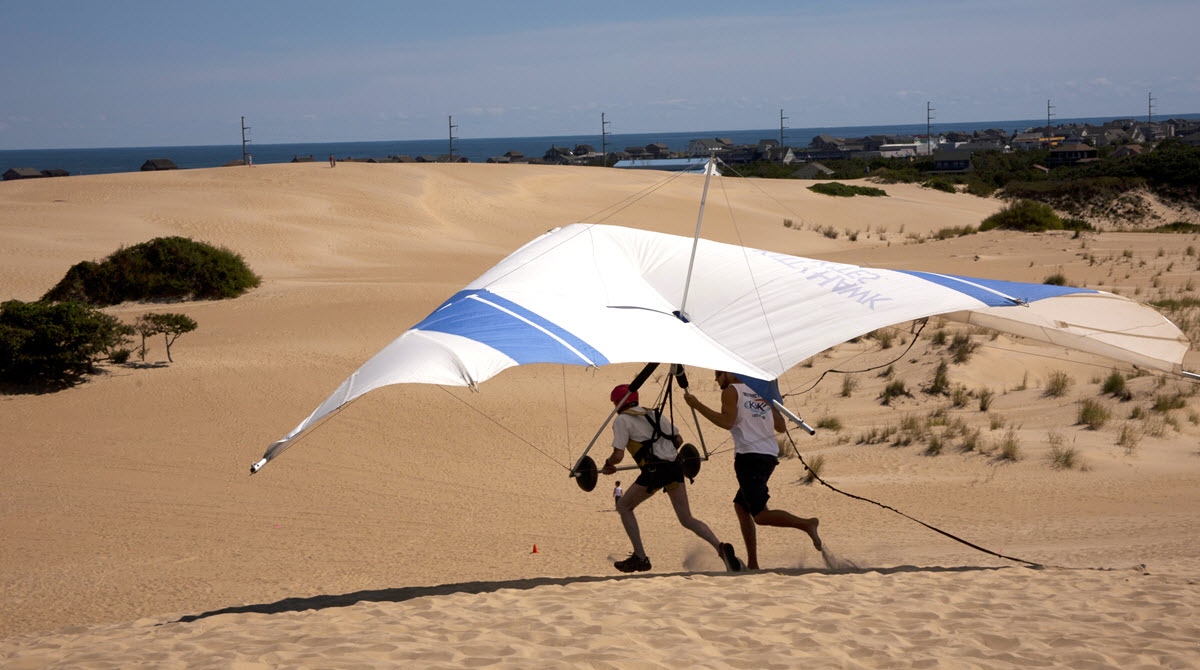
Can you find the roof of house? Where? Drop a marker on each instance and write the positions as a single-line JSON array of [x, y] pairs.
[[24, 173]]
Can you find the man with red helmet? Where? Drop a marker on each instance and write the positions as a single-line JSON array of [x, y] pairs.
[[651, 441]]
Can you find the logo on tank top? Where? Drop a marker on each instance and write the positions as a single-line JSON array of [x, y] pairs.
[[756, 406]]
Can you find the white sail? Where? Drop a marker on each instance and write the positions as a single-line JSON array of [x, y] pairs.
[[592, 295]]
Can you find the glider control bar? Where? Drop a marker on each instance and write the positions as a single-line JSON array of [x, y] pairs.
[[795, 419]]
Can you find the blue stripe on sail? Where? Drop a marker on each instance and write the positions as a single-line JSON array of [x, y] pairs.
[[999, 289], [767, 390], [525, 338]]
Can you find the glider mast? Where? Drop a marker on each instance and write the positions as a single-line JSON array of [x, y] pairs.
[[709, 168]]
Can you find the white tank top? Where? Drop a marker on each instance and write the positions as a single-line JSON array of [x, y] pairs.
[[754, 426]]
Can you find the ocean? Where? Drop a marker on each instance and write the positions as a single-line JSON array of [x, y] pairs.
[[477, 150]]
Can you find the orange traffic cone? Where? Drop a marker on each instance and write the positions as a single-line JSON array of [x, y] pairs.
[[535, 549]]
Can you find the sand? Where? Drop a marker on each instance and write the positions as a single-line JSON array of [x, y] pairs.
[[401, 532]]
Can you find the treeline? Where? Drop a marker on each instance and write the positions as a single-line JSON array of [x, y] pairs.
[[1171, 171], [56, 341]]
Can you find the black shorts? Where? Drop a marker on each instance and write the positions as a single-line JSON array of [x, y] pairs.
[[664, 475], [753, 471]]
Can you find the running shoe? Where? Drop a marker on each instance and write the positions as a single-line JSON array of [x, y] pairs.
[[732, 563], [633, 564]]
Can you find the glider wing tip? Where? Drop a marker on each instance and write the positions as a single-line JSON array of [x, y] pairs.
[[257, 466]]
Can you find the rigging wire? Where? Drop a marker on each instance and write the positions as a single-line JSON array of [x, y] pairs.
[[874, 367], [633, 198], [566, 416], [588, 226], [935, 529], [505, 428]]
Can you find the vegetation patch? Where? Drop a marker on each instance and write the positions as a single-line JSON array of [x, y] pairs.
[[1092, 413], [162, 270], [1176, 227], [846, 190], [814, 467], [1031, 217], [46, 346]]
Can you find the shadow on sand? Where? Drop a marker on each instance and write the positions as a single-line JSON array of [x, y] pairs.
[[409, 592]]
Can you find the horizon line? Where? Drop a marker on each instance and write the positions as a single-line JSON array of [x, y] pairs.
[[534, 137]]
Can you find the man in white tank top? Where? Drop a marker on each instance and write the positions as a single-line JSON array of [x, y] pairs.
[[753, 423]]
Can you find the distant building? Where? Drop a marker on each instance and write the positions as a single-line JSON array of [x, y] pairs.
[[1071, 154], [812, 170], [158, 164], [695, 165], [702, 148], [1129, 150], [56, 173], [951, 161], [22, 173], [303, 159]]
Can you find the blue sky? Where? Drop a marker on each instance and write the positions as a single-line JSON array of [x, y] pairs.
[[135, 73]]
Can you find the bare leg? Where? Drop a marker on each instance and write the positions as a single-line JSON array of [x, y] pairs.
[[778, 517], [749, 536], [632, 498], [683, 512]]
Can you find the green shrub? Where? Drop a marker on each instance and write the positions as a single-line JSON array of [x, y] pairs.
[[1129, 438], [985, 398], [1092, 413], [814, 467], [940, 184], [959, 396], [163, 269], [830, 422], [956, 231], [1024, 215], [893, 390], [1114, 385], [970, 440], [53, 345], [1163, 403], [1057, 384], [940, 384], [1062, 458], [962, 347], [845, 190], [1009, 446]]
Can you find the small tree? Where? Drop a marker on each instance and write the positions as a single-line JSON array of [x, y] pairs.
[[170, 325], [146, 328]]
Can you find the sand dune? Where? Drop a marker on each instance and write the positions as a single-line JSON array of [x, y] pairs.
[[402, 530]]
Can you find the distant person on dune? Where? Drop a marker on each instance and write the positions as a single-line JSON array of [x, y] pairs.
[[652, 442], [332, 161], [753, 423]]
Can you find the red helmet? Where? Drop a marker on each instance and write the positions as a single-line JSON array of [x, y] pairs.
[[619, 392]]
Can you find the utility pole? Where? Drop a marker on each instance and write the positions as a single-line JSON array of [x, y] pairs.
[[604, 137], [244, 140], [452, 138], [1150, 107], [929, 125], [782, 127]]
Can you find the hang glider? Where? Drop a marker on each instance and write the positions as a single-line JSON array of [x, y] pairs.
[[591, 295]]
